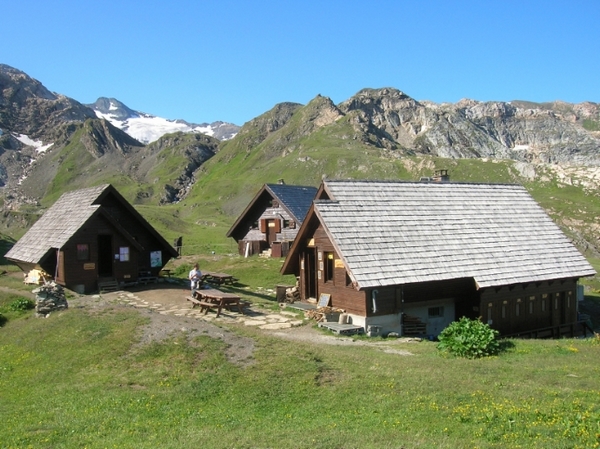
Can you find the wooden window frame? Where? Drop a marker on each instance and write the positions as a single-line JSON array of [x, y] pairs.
[[329, 266], [83, 252], [435, 312]]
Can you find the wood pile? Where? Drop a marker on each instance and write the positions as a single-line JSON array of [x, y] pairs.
[[292, 294], [412, 325], [320, 314], [37, 277]]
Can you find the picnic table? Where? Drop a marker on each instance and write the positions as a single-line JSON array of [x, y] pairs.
[[212, 298], [218, 278]]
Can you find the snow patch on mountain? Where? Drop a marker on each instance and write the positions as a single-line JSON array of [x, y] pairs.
[[148, 128], [37, 144]]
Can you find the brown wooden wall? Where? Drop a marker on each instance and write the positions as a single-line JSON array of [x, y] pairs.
[[73, 272], [343, 294], [529, 306], [140, 234]]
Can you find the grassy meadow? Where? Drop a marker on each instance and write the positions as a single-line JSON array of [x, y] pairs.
[[78, 379]]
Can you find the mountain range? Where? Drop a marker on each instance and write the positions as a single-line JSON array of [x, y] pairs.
[[50, 143], [148, 128]]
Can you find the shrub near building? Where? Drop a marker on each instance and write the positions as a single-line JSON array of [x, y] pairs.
[[471, 339]]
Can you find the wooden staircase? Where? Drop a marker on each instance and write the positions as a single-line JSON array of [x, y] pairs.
[[106, 285]]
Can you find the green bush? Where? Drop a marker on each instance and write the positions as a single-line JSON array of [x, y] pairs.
[[471, 339], [21, 304], [182, 270]]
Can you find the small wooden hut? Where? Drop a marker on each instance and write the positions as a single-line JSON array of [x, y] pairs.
[[90, 236], [272, 219]]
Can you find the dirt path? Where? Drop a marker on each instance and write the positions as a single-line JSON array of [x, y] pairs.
[[169, 314], [150, 302]]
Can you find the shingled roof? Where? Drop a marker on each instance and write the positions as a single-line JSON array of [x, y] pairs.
[[392, 233], [57, 225], [61, 221], [295, 199]]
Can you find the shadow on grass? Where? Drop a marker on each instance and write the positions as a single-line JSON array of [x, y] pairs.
[[505, 345], [240, 290]]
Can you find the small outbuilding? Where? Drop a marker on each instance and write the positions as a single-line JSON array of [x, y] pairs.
[[272, 219], [89, 236], [411, 257]]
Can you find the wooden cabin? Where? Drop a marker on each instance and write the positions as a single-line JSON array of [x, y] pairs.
[[90, 235], [272, 219], [411, 257]]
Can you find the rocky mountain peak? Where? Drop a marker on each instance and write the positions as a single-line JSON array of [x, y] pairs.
[[113, 107], [148, 128], [28, 108], [321, 111], [17, 86]]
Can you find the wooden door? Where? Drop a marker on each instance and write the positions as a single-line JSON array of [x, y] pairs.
[[105, 256], [271, 233], [308, 274]]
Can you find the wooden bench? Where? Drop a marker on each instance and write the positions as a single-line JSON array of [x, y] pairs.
[[195, 302], [219, 278], [205, 306], [241, 306], [144, 277]]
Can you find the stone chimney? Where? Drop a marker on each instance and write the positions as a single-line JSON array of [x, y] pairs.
[[441, 176], [438, 176]]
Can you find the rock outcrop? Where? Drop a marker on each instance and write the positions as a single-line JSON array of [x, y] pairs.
[[49, 298]]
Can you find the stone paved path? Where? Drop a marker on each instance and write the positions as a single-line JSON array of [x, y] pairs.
[[252, 317]]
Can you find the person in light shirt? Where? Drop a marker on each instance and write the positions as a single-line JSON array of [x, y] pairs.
[[195, 277]]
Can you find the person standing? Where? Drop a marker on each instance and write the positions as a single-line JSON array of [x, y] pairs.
[[195, 278]]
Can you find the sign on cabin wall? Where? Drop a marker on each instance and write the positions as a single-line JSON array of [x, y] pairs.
[[324, 300], [155, 259], [89, 266], [339, 263]]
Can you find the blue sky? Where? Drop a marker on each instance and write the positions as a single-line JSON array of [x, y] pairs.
[[232, 60]]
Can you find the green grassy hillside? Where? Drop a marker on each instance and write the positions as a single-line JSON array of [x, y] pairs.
[[81, 378]]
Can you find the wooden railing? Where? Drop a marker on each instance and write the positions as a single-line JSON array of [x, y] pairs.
[[569, 330]]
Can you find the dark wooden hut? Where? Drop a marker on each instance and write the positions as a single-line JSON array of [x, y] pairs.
[[411, 257], [272, 219], [91, 235]]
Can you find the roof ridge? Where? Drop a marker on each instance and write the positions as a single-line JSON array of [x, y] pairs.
[[403, 181]]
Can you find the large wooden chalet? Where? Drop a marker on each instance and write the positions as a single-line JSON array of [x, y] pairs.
[[272, 219], [411, 257], [90, 235]]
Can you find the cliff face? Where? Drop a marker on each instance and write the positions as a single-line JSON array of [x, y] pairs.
[[527, 132], [27, 107]]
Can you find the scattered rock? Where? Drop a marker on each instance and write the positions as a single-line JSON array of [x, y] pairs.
[[49, 298]]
